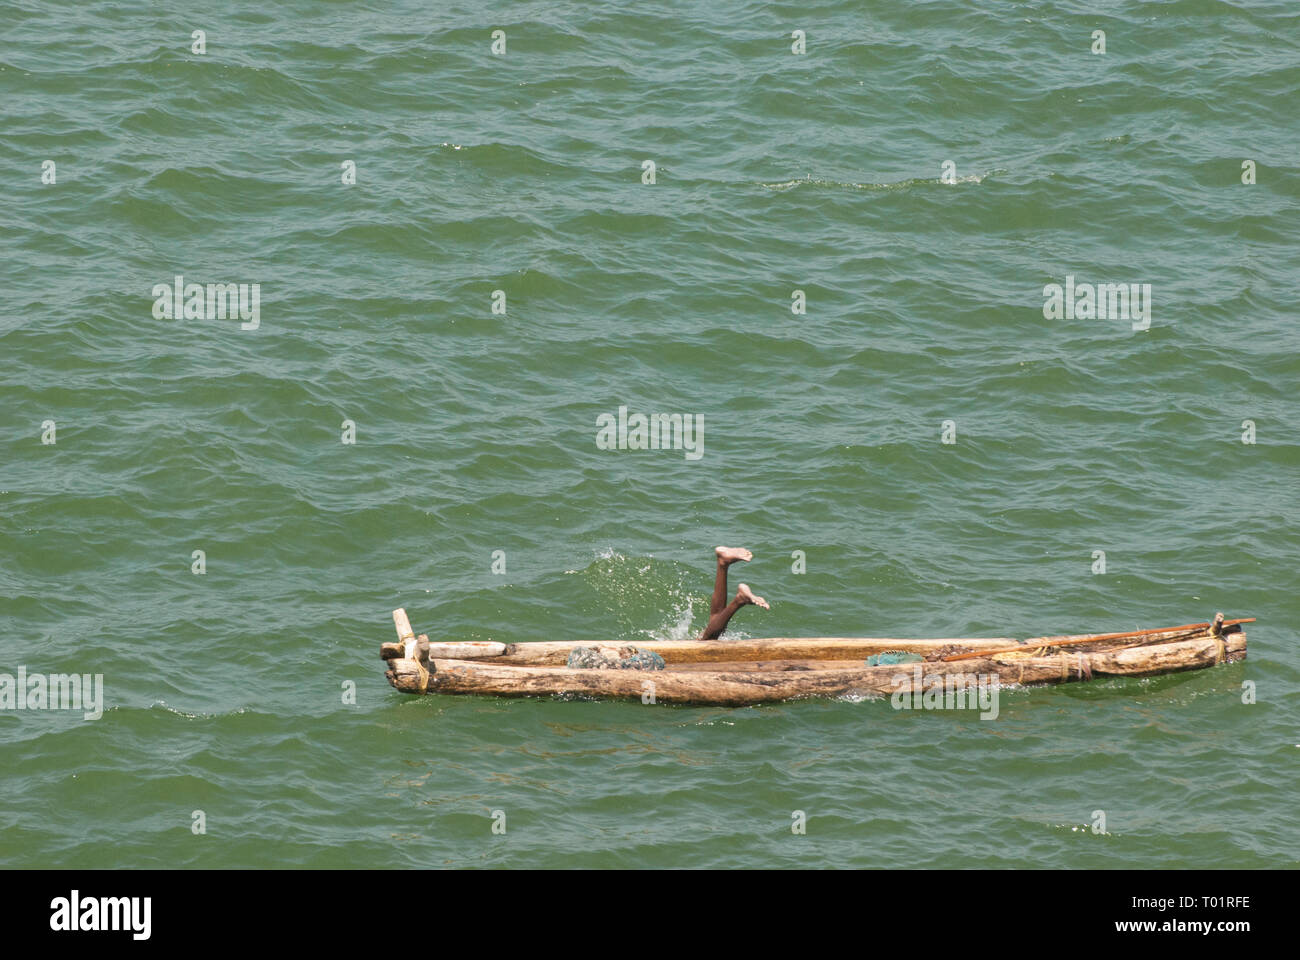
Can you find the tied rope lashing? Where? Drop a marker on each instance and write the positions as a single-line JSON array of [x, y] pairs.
[[1082, 667], [1216, 631], [424, 677], [417, 648]]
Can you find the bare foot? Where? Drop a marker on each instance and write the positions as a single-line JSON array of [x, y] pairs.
[[746, 595], [730, 555]]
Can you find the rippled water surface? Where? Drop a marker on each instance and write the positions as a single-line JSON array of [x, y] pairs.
[[476, 431]]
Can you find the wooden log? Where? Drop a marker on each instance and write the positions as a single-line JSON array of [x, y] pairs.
[[750, 686], [1169, 658], [1149, 632], [556, 653], [1138, 661], [681, 652], [734, 688], [403, 625], [405, 635], [466, 650], [1155, 635], [789, 665]]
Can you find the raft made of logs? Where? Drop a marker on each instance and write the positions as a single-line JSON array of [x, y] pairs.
[[739, 673]]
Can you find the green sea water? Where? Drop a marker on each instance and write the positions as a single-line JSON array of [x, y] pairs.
[[476, 431]]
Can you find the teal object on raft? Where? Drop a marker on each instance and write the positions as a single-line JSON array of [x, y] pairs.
[[891, 657]]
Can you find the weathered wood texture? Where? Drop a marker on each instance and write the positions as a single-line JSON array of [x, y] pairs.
[[740, 687], [556, 653], [466, 650], [1128, 639]]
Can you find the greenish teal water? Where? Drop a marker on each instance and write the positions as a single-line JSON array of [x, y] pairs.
[[475, 432]]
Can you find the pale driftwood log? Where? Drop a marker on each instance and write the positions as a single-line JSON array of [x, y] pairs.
[[405, 635], [1129, 639], [1149, 661], [556, 653], [751, 686], [723, 666], [467, 650], [1084, 643]]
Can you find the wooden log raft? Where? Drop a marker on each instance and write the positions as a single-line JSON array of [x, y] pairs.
[[739, 673]]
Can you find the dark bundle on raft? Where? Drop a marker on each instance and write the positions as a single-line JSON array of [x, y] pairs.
[[744, 672], [614, 658]]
